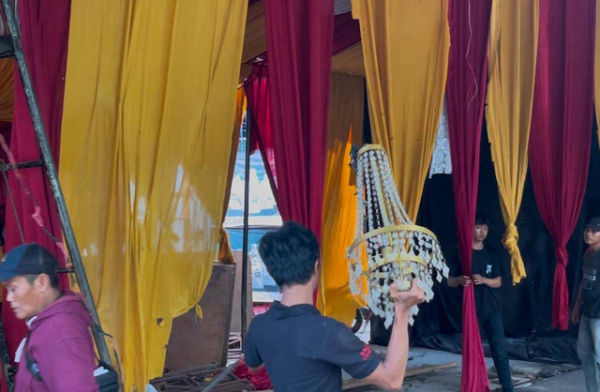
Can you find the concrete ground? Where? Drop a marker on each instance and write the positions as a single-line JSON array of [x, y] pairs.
[[566, 382], [539, 377]]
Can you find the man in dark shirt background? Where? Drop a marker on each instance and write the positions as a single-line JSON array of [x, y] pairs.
[[486, 276], [586, 311], [304, 351]]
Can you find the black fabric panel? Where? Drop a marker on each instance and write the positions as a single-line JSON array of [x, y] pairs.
[[367, 137]]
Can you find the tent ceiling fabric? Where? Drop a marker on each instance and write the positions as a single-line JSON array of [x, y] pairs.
[[255, 38], [348, 61]]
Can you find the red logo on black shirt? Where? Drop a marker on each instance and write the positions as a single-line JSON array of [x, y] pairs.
[[366, 352]]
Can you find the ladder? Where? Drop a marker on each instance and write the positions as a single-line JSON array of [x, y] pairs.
[[50, 169]]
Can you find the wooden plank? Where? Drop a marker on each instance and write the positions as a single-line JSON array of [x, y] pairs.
[[196, 342], [196, 380], [517, 381]]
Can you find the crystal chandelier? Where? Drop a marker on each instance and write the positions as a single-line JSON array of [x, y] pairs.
[[396, 250]]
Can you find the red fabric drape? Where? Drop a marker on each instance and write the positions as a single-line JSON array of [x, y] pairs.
[[5, 129], [256, 88], [299, 43], [44, 27], [466, 86], [561, 127]]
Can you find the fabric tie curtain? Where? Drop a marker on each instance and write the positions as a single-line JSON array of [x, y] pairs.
[[511, 58], [467, 74], [257, 90], [405, 46], [44, 28], [561, 126], [225, 254], [346, 110], [299, 43], [7, 88], [147, 135]]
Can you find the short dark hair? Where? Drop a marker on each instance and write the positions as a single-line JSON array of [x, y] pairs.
[[290, 254], [482, 219], [593, 224], [53, 279]]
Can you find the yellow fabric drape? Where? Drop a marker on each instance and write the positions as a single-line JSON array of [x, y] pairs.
[[512, 58], [225, 254], [7, 87], [346, 110], [405, 46], [146, 142]]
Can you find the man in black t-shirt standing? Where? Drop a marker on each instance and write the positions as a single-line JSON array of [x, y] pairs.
[[485, 275], [304, 351], [586, 311]]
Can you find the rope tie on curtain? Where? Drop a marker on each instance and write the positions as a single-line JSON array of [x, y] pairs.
[[562, 258], [560, 310], [511, 239]]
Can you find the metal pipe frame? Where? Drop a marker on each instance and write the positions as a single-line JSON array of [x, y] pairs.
[[20, 165], [245, 229]]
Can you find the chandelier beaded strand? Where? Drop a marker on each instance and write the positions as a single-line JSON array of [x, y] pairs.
[[396, 249]]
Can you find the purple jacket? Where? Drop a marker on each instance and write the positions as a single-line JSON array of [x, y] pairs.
[[60, 343]]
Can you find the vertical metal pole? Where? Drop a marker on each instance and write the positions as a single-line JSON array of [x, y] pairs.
[[59, 199], [245, 229]]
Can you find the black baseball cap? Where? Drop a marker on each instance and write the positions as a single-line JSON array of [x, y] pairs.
[[593, 224], [27, 259]]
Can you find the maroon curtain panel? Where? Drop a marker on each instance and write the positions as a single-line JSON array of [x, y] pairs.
[[561, 127], [299, 43], [256, 88], [346, 32], [465, 95], [44, 27]]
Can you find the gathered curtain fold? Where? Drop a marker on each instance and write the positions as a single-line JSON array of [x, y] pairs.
[[225, 253], [346, 110], [561, 128], [511, 67], [146, 142], [7, 87], [257, 90], [405, 47], [467, 75], [299, 43], [44, 29]]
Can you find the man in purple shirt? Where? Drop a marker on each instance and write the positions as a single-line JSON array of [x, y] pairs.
[[58, 354]]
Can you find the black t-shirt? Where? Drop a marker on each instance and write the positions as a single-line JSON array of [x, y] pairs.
[[485, 263], [304, 351], [590, 286]]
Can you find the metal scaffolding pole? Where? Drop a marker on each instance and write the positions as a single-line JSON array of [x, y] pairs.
[[245, 229], [57, 193]]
